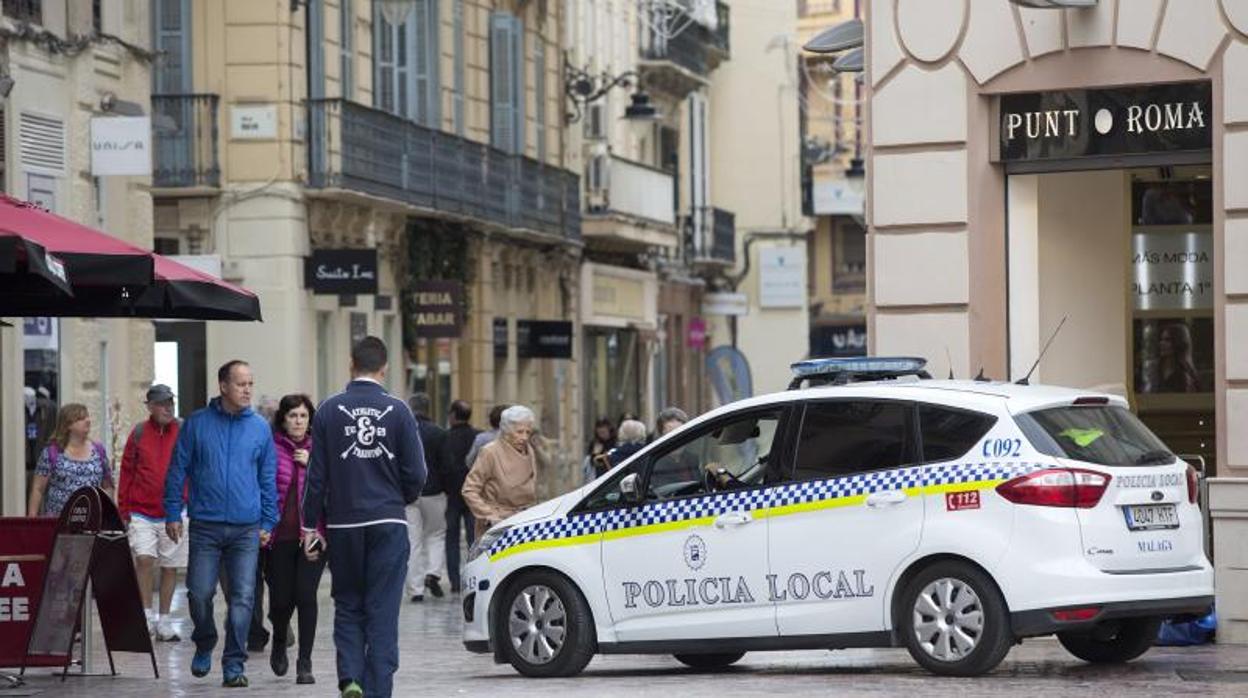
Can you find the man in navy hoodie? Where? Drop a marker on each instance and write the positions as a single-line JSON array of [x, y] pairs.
[[226, 453], [367, 465]]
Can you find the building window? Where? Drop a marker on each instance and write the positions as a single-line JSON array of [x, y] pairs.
[[406, 60], [457, 97], [166, 245], [171, 69], [507, 82], [539, 74], [24, 10], [346, 39], [849, 259], [97, 16]]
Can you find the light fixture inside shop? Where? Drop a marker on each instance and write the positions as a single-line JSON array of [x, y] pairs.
[[841, 37], [1055, 4]]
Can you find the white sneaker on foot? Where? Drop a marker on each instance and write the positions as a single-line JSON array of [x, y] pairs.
[[165, 632]]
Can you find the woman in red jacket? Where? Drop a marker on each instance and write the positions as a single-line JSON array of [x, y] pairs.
[[293, 580]]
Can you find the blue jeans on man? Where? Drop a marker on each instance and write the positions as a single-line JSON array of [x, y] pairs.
[[233, 550], [368, 565]]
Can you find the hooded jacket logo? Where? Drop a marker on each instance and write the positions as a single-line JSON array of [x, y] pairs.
[[366, 432]]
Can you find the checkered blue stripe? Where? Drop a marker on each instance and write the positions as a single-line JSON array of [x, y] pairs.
[[754, 500]]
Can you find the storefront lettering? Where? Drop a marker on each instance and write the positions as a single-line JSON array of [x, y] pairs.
[[1170, 117], [14, 608], [1172, 288], [709, 591], [1048, 124], [325, 272]]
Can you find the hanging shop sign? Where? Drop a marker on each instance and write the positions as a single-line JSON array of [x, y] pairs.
[[436, 308], [1173, 270], [1066, 124], [121, 145], [543, 339], [782, 277], [697, 333], [333, 272]]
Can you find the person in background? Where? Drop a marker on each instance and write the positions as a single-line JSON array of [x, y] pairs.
[[632, 440], [226, 452], [293, 579], [670, 419], [503, 480], [604, 438], [426, 517], [459, 439], [485, 437], [140, 500], [70, 460], [359, 483]]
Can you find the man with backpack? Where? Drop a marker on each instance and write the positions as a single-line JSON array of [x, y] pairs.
[[140, 499]]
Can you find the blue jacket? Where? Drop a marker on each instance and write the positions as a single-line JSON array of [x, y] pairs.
[[231, 464], [367, 461]]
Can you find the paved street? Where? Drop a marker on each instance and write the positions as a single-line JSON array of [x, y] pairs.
[[434, 664]]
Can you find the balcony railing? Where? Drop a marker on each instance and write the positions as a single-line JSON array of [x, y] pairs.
[[713, 234], [373, 152], [719, 37], [631, 188], [688, 49], [184, 135]]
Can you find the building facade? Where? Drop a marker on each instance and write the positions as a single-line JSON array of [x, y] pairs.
[[339, 156], [63, 64], [1083, 169]]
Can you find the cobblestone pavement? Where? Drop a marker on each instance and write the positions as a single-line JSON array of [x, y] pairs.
[[434, 663]]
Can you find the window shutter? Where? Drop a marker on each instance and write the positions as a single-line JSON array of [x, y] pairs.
[[383, 61], [459, 69], [171, 71], [422, 51], [502, 84], [316, 49], [539, 95], [517, 67], [42, 141], [346, 38]]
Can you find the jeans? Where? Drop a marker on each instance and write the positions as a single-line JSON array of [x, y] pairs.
[[426, 532], [367, 565], [293, 583], [235, 548], [457, 514]]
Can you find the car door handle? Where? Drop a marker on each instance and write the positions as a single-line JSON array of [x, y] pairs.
[[733, 518], [888, 498]]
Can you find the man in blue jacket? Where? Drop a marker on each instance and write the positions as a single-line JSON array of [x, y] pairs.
[[226, 453], [367, 465]]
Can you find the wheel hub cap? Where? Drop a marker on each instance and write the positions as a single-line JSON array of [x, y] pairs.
[[948, 619], [537, 625]]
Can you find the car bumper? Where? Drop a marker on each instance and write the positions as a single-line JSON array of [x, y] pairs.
[[478, 591], [1043, 621]]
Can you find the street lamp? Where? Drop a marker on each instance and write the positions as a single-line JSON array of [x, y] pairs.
[[841, 37], [583, 88], [1055, 4]]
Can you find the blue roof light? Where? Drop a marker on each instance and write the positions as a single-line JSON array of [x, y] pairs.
[[861, 368]]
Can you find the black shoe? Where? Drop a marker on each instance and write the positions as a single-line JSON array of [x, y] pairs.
[[278, 661], [431, 583], [417, 598], [303, 672]]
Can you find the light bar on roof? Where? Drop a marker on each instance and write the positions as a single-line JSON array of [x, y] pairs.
[[883, 365]]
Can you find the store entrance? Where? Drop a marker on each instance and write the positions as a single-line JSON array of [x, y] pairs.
[[1125, 257]]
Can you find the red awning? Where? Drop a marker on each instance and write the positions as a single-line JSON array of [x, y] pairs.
[[91, 258]]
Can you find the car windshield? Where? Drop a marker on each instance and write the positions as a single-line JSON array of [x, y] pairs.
[[1100, 434]]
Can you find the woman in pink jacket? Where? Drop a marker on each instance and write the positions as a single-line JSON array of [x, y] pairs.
[[292, 578]]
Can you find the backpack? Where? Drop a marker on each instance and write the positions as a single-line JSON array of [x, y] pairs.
[[54, 454], [137, 432]]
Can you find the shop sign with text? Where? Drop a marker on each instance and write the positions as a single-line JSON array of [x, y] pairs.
[[1173, 270], [543, 339], [342, 272], [436, 308], [1067, 124]]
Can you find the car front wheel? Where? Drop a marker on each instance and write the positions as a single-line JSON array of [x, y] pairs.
[[547, 629], [709, 661], [1114, 641], [954, 621]]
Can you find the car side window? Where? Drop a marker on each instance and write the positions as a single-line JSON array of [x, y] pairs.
[[845, 437], [949, 433], [731, 454]]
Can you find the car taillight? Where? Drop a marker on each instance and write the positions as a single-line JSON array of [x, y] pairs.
[[1057, 487], [1193, 484]]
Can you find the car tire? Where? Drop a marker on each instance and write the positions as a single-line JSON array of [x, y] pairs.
[[706, 662], [545, 626], [953, 620], [1112, 642]]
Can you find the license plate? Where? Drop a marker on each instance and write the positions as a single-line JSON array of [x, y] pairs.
[[1146, 517]]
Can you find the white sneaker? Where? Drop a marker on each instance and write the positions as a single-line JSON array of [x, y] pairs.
[[151, 622], [165, 632]]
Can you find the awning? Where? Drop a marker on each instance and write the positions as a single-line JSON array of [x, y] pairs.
[[24, 263], [91, 258]]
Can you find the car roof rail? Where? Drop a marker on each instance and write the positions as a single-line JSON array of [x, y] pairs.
[[818, 372]]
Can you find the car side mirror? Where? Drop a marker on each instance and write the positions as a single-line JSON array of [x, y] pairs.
[[630, 488]]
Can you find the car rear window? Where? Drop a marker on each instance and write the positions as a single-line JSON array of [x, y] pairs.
[[1100, 434], [949, 433]]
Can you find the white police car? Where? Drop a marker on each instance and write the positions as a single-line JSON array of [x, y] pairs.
[[953, 518]]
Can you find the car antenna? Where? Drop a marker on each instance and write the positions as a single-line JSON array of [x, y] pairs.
[[1025, 380], [949, 358], [981, 378]]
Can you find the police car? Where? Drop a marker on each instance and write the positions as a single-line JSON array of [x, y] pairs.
[[879, 509]]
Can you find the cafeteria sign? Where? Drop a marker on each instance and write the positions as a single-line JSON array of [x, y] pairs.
[[436, 308], [334, 272]]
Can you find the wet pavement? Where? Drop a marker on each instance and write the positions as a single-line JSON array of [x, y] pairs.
[[434, 663]]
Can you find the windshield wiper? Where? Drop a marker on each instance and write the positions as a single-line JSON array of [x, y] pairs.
[[1155, 457]]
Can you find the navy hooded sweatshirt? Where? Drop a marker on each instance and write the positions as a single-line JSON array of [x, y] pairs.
[[367, 461]]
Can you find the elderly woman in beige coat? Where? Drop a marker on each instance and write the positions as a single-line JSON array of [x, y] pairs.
[[503, 480]]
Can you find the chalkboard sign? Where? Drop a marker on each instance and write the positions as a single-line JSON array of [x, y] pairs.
[[63, 592]]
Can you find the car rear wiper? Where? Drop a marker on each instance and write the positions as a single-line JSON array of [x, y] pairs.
[[1156, 457]]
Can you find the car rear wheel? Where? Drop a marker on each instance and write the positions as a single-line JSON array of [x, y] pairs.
[[954, 621], [1114, 641], [709, 661], [546, 628]]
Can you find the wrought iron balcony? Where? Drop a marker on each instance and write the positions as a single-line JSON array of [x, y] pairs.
[[720, 48], [357, 148], [184, 141], [713, 236], [680, 64]]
